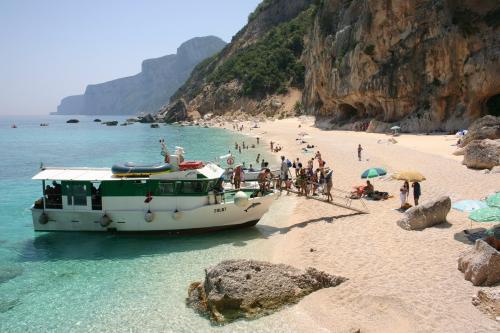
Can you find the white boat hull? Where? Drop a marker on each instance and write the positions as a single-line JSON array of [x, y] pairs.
[[206, 217]]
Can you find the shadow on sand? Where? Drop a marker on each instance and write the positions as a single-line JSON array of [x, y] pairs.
[[269, 230]]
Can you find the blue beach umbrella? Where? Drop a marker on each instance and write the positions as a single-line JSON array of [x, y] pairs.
[[469, 205], [373, 172]]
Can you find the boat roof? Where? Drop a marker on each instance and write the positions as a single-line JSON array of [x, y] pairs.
[[209, 171], [77, 174]]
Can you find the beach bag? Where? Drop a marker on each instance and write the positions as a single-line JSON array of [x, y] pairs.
[[288, 163]]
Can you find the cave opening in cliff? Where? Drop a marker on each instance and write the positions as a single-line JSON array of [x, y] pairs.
[[493, 105], [347, 112]]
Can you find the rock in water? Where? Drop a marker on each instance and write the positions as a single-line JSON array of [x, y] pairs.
[[480, 265], [482, 154], [426, 215], [246, 288], [147, 119], [488, 301], [487, 127]]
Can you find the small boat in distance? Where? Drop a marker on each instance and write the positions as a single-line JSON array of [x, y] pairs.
[[13, 126], [44, 124], [73, 121]]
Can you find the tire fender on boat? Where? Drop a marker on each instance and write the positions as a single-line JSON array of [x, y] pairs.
[[43, 218], [105, 221], [149, 216]]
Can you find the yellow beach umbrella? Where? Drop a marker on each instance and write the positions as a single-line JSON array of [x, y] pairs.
[[411, 176]]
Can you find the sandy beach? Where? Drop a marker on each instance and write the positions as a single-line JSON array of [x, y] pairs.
[[399, 281]]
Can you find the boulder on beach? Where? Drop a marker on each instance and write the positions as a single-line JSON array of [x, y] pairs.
[[480, 265], [488, 301], [487, 127], [482, 154], [377, 126], [426, 215], [247, 288]]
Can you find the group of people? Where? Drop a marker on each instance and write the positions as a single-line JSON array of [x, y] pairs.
[[238, 127], [308, 179], [53, 195], [275, 148]]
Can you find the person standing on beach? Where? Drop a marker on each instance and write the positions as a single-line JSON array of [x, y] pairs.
[[258, 140], [403, 194], [272, 146], [416, 192], [298, 165], [359, 152], [283, 173], [329, 185]]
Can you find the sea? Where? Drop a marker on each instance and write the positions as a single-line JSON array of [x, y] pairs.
[[108, 282]]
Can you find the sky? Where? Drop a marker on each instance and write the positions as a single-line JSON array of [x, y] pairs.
[[50, 49]]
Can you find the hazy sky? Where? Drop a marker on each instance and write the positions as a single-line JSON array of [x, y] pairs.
[[50, 49]]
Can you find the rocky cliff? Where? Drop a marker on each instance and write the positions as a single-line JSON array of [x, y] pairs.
[[423, 64], [148, 90]]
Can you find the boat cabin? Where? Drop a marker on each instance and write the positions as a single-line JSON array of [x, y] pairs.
[[85, 189]]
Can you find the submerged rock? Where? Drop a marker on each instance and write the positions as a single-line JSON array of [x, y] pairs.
[[480, 265], [482, 154], [426, 215], [246, 288]]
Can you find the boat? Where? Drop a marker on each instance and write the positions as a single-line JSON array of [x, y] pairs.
[[97, 199], [13, 126], [154, 125], [72, 121], [44, 124]]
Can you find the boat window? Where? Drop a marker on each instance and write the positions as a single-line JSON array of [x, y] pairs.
[[192, 187], [96, 193], [79, 194], [166, 188], [76, 194]]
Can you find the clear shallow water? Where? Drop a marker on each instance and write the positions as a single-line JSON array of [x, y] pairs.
[[105, 282]]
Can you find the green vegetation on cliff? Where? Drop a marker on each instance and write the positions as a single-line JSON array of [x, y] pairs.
[[272, 63]]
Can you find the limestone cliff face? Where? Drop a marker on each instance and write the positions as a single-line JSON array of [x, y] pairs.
[[203, 96], [423, 64], [426, 64], [148, 90]]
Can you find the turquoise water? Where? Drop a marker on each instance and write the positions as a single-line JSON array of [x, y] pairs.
[[82, 282]]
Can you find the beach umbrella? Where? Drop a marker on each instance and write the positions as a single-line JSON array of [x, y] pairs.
[[469, 205], [411, 176], [488, 214], [494, 200], [373, 172], [395, 128]]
